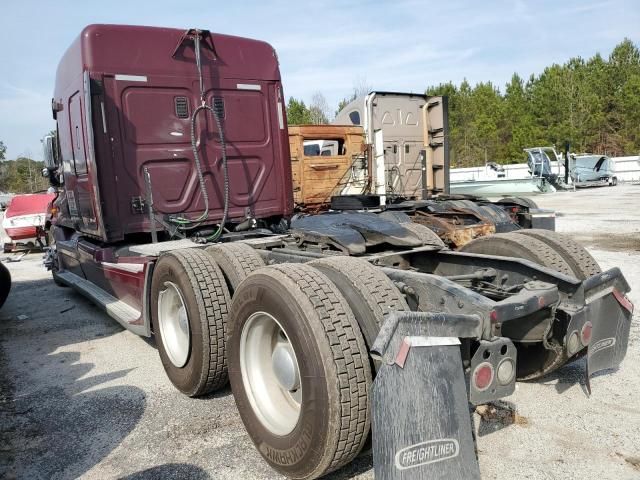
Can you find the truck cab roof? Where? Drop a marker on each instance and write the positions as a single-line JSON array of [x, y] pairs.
[[141, 50]]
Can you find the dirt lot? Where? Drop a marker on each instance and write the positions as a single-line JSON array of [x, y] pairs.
[[81, 397]]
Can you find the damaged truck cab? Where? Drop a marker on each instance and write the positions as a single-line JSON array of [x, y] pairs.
[[124, 148], [175, 215], [119, 115]]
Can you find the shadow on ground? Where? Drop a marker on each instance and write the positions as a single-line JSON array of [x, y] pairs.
[[574, 373], [57, 419], [170, 471]]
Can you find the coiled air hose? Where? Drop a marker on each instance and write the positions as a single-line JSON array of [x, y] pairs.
[[188, 223]]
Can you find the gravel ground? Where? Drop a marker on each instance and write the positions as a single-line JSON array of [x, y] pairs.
[[81, 397]]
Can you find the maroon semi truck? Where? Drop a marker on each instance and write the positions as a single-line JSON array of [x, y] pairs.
[[175, 214]]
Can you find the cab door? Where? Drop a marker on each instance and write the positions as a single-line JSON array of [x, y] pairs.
[[78, 185]]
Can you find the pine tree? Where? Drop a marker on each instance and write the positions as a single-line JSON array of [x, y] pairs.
[[594, 104], [297, 112]]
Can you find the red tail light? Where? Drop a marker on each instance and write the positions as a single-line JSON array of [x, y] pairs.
[[483, 376], [585, 333]]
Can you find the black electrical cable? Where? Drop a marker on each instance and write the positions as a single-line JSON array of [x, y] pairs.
[[186, 223], [225, 176]]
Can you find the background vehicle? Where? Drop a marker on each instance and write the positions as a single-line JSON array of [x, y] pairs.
[[593, 170], [584, 170], [326, 159], [347, 182], [406, 131], [493, 181], [192, 243], [24, 220]]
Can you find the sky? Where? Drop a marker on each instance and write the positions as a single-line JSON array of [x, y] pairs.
[[326, 46]]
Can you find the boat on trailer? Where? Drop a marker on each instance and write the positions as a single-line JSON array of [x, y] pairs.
[[492, 181]]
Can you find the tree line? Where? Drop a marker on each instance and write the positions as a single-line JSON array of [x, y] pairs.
[[592, 104], [22, 175]]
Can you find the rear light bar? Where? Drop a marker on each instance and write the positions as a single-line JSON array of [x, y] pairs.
[[492, 371]]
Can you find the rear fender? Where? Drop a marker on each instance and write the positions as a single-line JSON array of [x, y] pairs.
[[593, 288], [604, 283], [147, 325], [436, 294]]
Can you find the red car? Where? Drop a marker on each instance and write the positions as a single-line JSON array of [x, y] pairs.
[[24, 219]]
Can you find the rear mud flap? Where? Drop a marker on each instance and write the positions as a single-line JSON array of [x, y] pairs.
[[420, 413], [610, 335], [603, 324]]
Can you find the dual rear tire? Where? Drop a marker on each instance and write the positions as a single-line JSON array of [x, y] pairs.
[[581, 263], [190, 298], [556, 252], [522, 201], [289, 343], [296, 347], [189, 310]]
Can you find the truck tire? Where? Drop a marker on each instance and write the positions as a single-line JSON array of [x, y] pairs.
[[236, 260], [581, 262], [299, 370], [534, 360], [189, 306], [519, 246], [5, 283], [369, 292], [522, 201], [51, 242], [425, 234]]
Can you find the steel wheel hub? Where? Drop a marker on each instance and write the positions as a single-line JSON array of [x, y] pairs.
[[270, 373], [174, 324], [285, 367]]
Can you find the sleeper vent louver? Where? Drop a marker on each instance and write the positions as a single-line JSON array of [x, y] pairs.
[[182, 107], [218, 106]]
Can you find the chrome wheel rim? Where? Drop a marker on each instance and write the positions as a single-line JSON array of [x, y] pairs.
[[174, 324], [270, 373]]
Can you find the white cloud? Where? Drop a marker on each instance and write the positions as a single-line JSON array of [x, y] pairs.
[[325, 45]]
